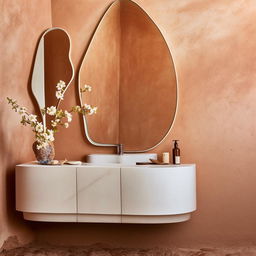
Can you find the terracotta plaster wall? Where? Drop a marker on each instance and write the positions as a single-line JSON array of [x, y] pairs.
[[214, 50], [21, 23]]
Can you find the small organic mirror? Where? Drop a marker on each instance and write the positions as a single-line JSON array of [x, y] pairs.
[[131, 71], [52, 63]]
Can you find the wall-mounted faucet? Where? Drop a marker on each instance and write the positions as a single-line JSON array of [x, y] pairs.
[[120, 149]]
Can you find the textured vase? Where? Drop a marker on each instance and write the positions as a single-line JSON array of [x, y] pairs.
[[44, 155]]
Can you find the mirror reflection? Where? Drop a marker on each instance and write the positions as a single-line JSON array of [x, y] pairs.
[[130, 68], [52, 64]]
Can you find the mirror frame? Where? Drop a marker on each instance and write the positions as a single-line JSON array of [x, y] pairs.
[[39, 77], [86, 129]]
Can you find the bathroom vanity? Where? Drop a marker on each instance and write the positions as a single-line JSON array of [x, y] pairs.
[[109, 193], [137, 109]]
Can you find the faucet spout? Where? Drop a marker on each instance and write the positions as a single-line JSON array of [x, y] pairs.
[[120, 149]]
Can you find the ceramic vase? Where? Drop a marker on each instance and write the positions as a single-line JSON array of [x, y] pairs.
[[44, 155]]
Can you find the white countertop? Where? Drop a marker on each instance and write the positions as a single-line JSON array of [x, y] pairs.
[[35, 164]]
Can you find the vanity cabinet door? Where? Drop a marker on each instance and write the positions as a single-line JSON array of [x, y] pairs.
[[98, 190], [158, 190], [46, 189]]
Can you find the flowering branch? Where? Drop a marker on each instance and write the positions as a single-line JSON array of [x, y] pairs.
[[61, 117]]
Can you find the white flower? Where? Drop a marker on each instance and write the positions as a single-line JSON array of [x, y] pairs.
[[47, 136], [54, 123], [66, 125], [89, 109], [59, 95], [87, 88], [39, 146], [44, 135], [50, 135], [39, 127], [22, 110], [61, 85], [32, 118], [68, 116], [51, 111], [92, 111], [87, 106]]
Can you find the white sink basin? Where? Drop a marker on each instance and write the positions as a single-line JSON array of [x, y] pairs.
[[129, 159]]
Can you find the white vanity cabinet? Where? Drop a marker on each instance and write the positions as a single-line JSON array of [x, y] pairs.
[[46, 193], [112, 193], [98, 194], [158, 194]]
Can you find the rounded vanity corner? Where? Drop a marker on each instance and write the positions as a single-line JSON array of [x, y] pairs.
[[159, 191], [152, 219], [110, 193], [50, 217]]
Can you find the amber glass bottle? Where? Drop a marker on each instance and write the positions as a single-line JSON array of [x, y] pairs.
[[176, 153]]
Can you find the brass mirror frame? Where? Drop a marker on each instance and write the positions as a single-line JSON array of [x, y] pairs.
[[38, 77], [86, 129]]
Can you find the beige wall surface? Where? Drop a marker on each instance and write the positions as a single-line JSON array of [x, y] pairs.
[[21, 23], [214, 50]]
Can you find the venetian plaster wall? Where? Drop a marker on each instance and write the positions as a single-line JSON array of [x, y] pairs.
[[213, 45], [21, 23]]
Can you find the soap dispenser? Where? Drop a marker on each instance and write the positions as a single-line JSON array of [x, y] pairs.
[[176, 153]]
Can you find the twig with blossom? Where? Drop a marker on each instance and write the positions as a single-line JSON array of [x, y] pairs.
[[43, 135]]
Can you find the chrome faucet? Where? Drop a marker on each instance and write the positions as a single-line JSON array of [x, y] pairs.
[[120, 149]]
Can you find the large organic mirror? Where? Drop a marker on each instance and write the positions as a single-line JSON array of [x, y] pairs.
[[133, 79], [52, 63]]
